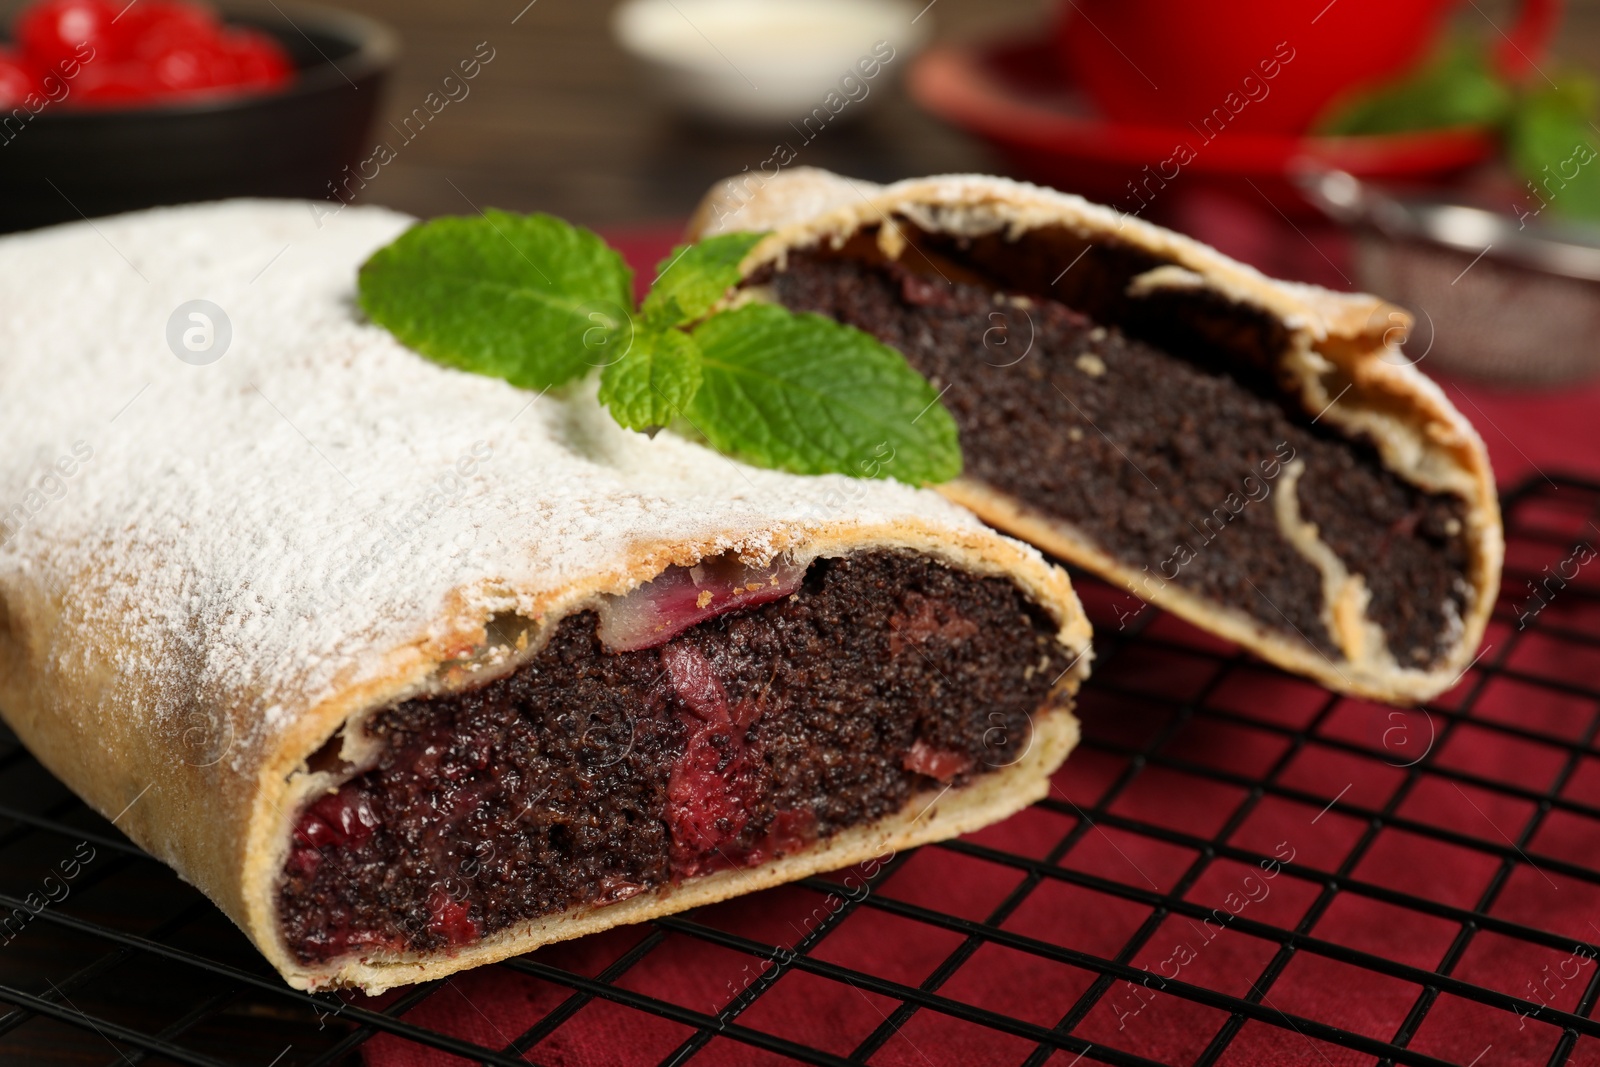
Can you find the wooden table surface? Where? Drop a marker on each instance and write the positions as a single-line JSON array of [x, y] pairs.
[[561, 120]]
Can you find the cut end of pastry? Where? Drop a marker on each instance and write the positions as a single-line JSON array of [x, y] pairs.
[[1255, 456], [720, 727]]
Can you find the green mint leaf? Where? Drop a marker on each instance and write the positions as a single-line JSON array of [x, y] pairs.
[[1553, 147], [527, 298], [538, 302], [806, 394], [695, 277], [663, 314], [1457, 87], [654, 382]]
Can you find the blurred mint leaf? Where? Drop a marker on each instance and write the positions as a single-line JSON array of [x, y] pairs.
[[806, 394], [1551, 141], [695, 277], [1457, 87], [527, 298], [654, 382]]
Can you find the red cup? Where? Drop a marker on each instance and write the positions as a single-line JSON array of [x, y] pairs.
[[1263, 66]]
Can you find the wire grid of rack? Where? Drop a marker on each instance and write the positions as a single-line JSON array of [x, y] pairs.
[[134, 967]]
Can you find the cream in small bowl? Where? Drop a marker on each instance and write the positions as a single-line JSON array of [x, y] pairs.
[[770, 62]]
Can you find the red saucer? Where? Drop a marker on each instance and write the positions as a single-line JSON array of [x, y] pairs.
[[1015, 95]]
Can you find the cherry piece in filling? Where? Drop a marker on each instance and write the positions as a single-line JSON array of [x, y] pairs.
[[943, 766], [720, 778], [716, 781], [449, 917], [342, 819], [681, 597]]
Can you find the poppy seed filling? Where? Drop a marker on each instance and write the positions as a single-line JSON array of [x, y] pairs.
[[588, 776], [1155, 428]]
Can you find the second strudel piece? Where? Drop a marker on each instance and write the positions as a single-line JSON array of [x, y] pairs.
[[1259, 457]]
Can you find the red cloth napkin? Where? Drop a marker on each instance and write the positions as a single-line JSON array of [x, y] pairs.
[[1128, 703]]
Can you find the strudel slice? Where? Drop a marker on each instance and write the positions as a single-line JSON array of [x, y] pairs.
[[1257, 456], [411, 670]]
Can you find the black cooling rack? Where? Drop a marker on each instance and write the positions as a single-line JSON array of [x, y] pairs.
[[127, 965]]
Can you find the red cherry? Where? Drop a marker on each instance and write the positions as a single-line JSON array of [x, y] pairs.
[[113, 83], [17, 80], [304, 861], [145, 16], [190, 67], [135, 53], [167, 26], [57, 30], [451, 918], [184, 50], [259, 60]]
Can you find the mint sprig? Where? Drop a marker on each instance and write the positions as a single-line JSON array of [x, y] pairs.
[[541, 303], [694, 277], [806, 394], [527, 298], [653, 383]]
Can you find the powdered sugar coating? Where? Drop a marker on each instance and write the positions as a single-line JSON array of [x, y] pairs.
[[263, 530]]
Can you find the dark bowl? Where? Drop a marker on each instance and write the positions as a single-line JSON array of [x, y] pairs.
[[63, 164]]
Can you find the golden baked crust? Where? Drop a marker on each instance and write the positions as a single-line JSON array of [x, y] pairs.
[[1340, 354], [257, 554]]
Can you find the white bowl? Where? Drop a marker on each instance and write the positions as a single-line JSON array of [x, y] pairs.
[[770, 62]]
